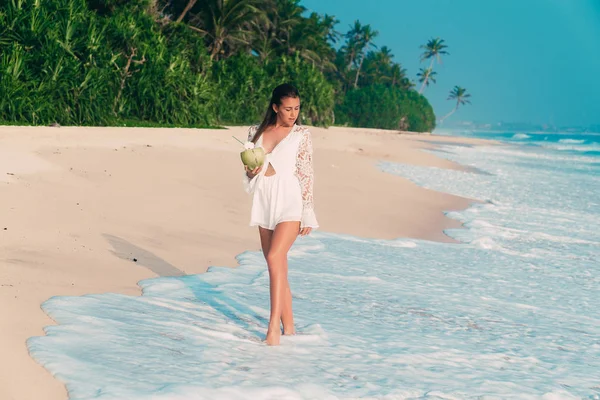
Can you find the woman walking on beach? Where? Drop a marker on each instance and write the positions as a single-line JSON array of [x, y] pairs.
[[282, 202]]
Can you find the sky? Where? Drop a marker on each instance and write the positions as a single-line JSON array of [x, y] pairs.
[[534, 61]]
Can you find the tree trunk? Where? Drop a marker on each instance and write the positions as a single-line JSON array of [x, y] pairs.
[[124, 75], [358, 72], [187, 8], [351, 59], [449, 114], [423, 84], [216, 49]]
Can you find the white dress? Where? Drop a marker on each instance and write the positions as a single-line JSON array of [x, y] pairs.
[[288, 194]]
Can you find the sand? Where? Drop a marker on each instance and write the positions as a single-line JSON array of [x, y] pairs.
[[77, 205]]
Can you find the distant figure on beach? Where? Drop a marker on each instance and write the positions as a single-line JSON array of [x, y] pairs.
[[282, 202]]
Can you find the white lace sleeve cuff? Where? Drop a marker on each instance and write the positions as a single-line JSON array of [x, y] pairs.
[[309, 219], [249, 184]]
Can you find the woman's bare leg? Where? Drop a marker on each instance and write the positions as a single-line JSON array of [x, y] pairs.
[[287, 315], [282, 239]]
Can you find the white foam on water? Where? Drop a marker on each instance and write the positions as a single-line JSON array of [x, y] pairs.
[[512, 312], [572, 141], [572, 146], [521, 136]]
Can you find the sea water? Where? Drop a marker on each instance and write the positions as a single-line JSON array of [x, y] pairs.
[[513, 311]]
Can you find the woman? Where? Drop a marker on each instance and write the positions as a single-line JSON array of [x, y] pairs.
[[282, 203]]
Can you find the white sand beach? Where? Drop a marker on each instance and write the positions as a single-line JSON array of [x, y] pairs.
[[94, 210]]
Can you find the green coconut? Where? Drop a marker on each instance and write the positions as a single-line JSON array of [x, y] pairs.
[[253, 158]]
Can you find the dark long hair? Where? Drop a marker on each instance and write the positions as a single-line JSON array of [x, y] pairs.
[[280, 92]]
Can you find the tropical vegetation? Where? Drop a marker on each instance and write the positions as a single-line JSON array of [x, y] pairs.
[[460, 95], [198, 63], [433, 50]]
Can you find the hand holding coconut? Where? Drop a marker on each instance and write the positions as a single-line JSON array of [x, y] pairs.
[[251, 173], [253, 158]]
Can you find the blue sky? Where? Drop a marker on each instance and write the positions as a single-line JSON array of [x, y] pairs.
[[522, 60]]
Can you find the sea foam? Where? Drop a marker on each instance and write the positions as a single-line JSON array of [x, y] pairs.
[[511, 312]]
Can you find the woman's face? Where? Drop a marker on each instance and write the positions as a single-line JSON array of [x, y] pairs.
[[287, 112]]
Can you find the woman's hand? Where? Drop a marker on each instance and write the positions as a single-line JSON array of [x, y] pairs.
[[252, 173], [305, 231]]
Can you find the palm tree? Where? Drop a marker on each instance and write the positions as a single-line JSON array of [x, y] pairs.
[[286, 31], [310, 40], [358, 39], [227, 24], [433, 50], [384, 56], [377, 66], [460, 95], [352, 42], [286, 16], [328, 24], [325, 35], [425, 76], [398, 77], [366, 41]]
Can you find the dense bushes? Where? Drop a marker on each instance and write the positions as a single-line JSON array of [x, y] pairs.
[[110, 62], [379, 106], [66, 63], [245, 85]]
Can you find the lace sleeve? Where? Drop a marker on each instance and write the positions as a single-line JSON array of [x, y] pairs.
[[305, 174], [248, 183]]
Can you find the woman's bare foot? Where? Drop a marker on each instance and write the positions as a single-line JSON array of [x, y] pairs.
[[273, 336], [289, 332]]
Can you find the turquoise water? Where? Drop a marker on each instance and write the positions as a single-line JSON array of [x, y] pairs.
[[511, 312]]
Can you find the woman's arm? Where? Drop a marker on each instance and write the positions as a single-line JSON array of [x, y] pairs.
[[305, 174]]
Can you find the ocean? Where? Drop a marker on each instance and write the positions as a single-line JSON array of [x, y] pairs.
[[512, 311]]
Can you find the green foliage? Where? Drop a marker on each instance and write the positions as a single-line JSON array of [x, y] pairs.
[[245, 87], [317, 94], [69, 64], [383, 107], [114, 62]]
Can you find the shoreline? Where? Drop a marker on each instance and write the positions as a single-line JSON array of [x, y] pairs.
[[80, 204]]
